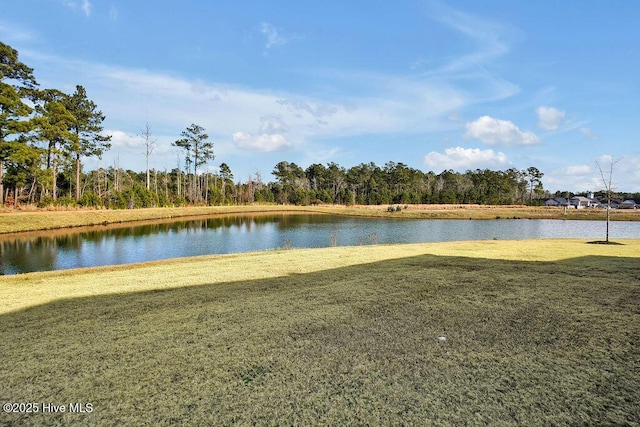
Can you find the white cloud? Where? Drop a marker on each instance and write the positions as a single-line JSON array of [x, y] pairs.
[[622, 168], [272, 124], [322, 155], [122, 139], [230, 113], [269, 138], [10, 32], [588, 133], [472, 69], [587, 177], [499, 132], [606, 160], [83, 5], [273, 38], [113, 13], [607, 167], [465, 158], [549, 118], [316, 110], [261, 142], [174, 102], [407, 104], [489, 37], [578, 170], [578, 177], [86, 7]]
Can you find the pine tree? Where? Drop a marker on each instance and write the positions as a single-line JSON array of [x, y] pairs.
[[53, 124], [87, 139], [199, 150], [16, 84]]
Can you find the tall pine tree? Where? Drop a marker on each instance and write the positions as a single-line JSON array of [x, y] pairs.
[[87, 139], [199, 150], [54, 127], [16, 84]]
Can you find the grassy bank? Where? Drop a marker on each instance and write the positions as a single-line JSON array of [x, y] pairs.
[[21, 221], [34, 220], [541, 332]]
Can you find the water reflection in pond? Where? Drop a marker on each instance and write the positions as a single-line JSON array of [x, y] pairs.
[[231, 234]]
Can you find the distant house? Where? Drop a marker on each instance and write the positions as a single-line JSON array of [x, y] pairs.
[[556, 201], [580, 202], [627, 204], [595, 203]]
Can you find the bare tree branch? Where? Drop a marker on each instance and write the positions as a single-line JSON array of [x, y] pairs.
[[608, 188]]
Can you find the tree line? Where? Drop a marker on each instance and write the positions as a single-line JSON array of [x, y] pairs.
[[46, 134], [367, 183], [397, 183]]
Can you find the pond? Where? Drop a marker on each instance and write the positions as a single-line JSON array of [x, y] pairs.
[[231, 234]]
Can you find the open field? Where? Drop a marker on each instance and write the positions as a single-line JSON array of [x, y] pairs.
[[33, 220], [484, 212], [538, 332]]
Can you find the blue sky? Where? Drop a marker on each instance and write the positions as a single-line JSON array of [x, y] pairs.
[[436, 85]]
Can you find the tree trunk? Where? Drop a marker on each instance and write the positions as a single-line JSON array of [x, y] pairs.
[[206, 189], [77, 177], [195, 191], [196, 182], [148, 176], [165, 182], [608, 215], [55, 179], [31, 191], [1, 184], [50, 148]]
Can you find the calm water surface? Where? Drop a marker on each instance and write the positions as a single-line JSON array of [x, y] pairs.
[[220, 235]]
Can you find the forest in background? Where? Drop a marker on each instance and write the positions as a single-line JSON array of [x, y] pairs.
[[46, 134]]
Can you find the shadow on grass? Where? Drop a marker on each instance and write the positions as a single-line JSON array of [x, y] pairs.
[[604, 242], [526, 343]]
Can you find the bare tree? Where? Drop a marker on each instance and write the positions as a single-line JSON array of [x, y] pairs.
[[149, 145], [608, 188]]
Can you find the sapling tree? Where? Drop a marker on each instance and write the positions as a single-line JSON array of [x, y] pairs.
[[608, 187]]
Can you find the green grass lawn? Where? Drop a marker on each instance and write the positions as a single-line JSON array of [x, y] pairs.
[[538, 332]]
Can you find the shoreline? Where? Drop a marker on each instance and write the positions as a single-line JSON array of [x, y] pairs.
[[12, 222]]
